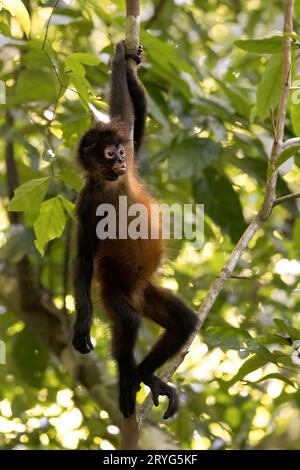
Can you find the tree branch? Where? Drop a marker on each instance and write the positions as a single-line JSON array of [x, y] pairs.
[[257, 222], [287, 198], [130, 430], [295, 142]]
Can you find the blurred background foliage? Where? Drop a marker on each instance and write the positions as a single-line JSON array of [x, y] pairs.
[[212, 94]]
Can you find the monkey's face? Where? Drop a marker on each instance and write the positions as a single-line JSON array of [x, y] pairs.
[[114, 161], [101, 152]]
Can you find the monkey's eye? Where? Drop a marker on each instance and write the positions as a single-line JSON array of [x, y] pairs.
[[110, 152], [121, 152]]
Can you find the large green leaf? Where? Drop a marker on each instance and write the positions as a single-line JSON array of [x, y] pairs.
[[17, 9], [71, 178], [250, 365], [50, 222], [297, 9], [295, 105], [238, 99], [270, 45], [226, 337], [36, 85], [69, 206], [221, 202], [286, 328], [29, 194], [281, 377], [190, 156], [286, 155], [269, 88], [87, 58]]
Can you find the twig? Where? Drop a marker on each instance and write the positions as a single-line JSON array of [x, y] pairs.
[[257, 222], [287, 198], [48, 23], [157, 9]]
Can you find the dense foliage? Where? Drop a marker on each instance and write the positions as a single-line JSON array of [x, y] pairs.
[[212, 72]]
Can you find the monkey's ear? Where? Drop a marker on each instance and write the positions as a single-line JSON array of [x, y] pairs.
[[87, 144]]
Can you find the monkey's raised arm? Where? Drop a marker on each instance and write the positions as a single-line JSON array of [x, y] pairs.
[[138, 99], [120, 106], [83, 271]]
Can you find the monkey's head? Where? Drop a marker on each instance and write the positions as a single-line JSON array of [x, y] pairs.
[[101, 151]]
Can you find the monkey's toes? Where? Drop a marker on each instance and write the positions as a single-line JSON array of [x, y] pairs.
[[158, 388], [82, 343]]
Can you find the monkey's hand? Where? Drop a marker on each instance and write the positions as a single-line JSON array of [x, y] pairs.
[[158, 387], [135, 55], [81, 338]]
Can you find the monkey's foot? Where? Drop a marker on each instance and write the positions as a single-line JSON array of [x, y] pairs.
[[82, 340], [158, 387], [128, 387]]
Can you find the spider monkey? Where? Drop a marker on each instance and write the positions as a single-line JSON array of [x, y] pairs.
[[124, 267]]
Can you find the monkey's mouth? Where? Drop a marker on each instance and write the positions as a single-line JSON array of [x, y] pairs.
[[119, 170]]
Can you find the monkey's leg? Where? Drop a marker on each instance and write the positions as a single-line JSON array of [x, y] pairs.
[[169, 311], [125, 325]]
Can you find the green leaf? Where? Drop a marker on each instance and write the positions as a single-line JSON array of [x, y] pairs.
[[50, 223], [16, 8], [71, 178], [286, 155], [226, 337], [238, 99], [190, 156], [250, 365], [269, 88], [36, 85], [221, 202], [4, 28], [270, 45], [290, 330], [69, 206], [294, 105], [30, 358], [82, 87], [29, 194], [297, 10], [85, 58], [276, 376], [75, 67]]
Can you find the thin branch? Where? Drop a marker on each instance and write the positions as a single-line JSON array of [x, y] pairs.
[[257, 222], [295, 142], [48, 23], [157, 9], [287, 198]]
